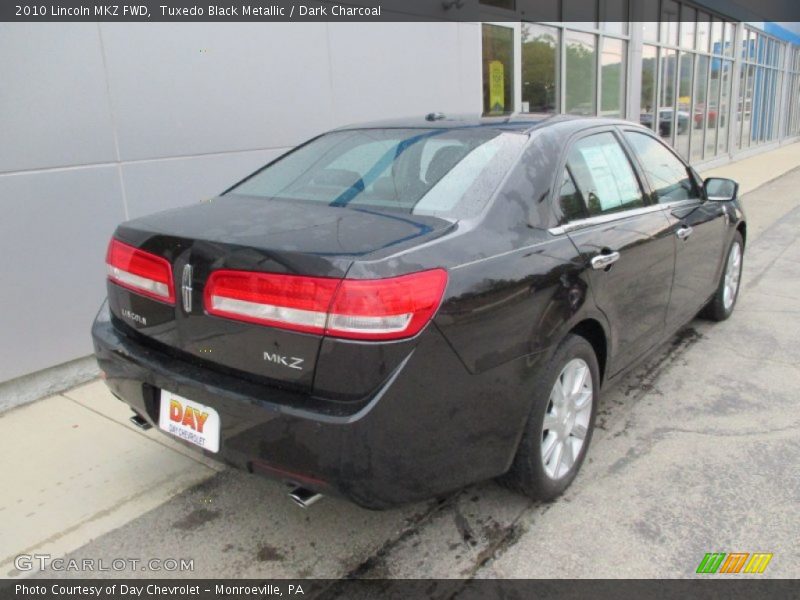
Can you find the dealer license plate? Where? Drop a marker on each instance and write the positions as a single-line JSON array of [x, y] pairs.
[[189, 420]]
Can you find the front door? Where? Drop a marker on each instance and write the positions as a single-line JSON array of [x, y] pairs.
[[698, 226]]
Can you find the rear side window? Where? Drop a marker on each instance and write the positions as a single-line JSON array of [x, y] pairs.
[[572, 206], [603, 175], [445, 172], [668, 176]]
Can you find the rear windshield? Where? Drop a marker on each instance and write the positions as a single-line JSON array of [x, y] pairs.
[[445, 172]]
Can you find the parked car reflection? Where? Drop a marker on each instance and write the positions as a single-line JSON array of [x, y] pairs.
[[665, 118]]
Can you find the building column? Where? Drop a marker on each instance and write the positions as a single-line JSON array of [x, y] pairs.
[[633, 99]]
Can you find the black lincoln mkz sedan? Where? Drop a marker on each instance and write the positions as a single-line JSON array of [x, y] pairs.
[[393, 311]]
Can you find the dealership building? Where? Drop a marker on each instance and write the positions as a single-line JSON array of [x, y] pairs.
[[103, 122]]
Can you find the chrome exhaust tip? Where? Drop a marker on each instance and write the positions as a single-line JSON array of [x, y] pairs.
[[140, 422], [303, 497]]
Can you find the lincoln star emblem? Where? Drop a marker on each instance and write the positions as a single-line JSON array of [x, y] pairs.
[[186, 288]]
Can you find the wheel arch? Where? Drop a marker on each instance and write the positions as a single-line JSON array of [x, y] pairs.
[[742, 229], [593, 332]]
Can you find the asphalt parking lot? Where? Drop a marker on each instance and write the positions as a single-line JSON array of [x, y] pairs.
[[696, 451]]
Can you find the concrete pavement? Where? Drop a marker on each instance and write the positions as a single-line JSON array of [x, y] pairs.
[[759, 169], [696, 451]]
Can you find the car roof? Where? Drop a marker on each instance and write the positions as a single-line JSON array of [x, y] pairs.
[[522, 123]]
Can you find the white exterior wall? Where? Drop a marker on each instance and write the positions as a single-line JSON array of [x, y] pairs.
[[99, 123]]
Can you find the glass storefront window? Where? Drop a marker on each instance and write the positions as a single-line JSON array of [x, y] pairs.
[[773, 108], [770, 90], [688, 18], [716, 36], [763, 117], [749, 106], [539, 68], [795, 129], [724, 106], [703, 31], [684, 120], [730, 34], [648, 96], [746, 45], [700, 85], [581, 73], [779, 51], [709, 118], [759, 100], [669, 22], [738, 114], [666, 100], [498, 69], [796, 107], [687, 73], [761, 91], [612, 78]]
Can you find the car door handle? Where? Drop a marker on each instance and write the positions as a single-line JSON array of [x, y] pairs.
[[684, 232], [603, 261]]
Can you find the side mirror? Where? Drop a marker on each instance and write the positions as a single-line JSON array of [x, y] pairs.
[[718, 189]]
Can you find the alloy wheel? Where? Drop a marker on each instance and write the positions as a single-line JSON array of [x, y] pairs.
[[733, 273], [566, 420]]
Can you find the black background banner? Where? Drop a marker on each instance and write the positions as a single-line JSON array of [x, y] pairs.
[[360, 10], [406, 589]]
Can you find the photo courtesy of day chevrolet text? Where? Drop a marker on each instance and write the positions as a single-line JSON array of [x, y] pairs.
[[122, 590]]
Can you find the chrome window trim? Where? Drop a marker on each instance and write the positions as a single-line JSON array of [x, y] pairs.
[[623, 214]]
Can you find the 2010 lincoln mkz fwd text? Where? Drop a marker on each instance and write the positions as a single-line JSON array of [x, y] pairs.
[[392, 311]]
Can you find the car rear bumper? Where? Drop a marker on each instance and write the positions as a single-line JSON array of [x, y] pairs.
[[430, 428]]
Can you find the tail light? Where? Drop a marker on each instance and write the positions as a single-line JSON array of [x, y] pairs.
[[363, 309], [140, 271], [384, 309], [288, 301]]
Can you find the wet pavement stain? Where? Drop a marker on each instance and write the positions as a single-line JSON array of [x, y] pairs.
[[463, 528], [267, 553], [196, 518]]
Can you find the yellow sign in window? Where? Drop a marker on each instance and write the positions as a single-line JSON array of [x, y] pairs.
[[497, 84]]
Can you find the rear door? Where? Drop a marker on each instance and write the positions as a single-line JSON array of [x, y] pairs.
[[698, 226], [625, 240]]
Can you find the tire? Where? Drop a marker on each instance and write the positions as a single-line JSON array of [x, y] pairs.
[[721, 305], [529, 473]]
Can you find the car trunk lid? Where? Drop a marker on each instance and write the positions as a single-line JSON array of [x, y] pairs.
[[238, 233]]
